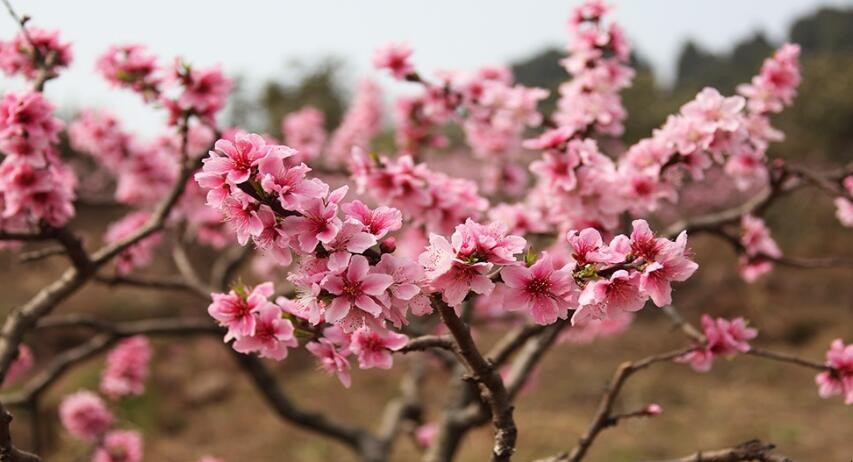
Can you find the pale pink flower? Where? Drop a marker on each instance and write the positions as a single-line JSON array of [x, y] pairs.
[[543, 290], [374, 346], [85, 416], [355, 288], [305, 131], [589, 248], [395, 58], [838, 381], [653, 410], [119, 446], [844, 211], [712, 111], [451, 276], [604, 297], [236, 311], [141, 253], [351, 239], [405, 292], [331, 360], [277, 176], [425, 434], [127, 368], [378, 222]]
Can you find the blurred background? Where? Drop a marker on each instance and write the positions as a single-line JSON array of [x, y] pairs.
[[285, 56]]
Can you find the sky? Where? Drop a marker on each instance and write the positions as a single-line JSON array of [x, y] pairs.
[[257, 39]]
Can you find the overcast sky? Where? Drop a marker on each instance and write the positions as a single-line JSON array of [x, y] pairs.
[[257, 38]]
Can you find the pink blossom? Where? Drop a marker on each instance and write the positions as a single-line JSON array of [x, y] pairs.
[[141, 253], [714, 112], [305, 131], [425, 434], [235, 160], [131, 66], [355, 288], [127, 368], [589, 248], [723, 337], [120, 446], [378, 222], [318, 221], [604, 297], [236, 311], [653, 410], [838, 381], [776, 85], [271, 336], [543, 290], [395, 58], [332, 361], [405, 292], [85, 416], [844, 211], [758, 246], [277, 176], [21, 365], [351, 239], [18, 57], [374, 346], [490, 243], [453, 272], [27, 126], [204, 91], [361, 122]]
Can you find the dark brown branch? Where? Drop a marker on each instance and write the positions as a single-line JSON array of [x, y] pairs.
[[266, 383], [154, 284], [426, 342], [8, 451], [604, 415], [761, 353], [754, 450], [492, 387]]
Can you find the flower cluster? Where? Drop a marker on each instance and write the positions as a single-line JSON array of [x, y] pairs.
[[141, 253], [127, 368], [181, 88], [759, 248], [29, 52], [305, 131], [86, 417], [35, 185], [361, 122], [723, 337], [776, 85], [838, 380], [425, 197], [598, 62], [23, 362]]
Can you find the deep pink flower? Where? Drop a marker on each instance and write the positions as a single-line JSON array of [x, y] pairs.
[[374, 346], [355, 288], [395, 58], [131, 66], [543, 290], [237, 311], [723, 337], [120, 446], [127, 368], [839, 381], [318, 220], [85, 416], [288, 182], [235, 160], [272, 335], [21, 365], [27, 126], [17, 55]]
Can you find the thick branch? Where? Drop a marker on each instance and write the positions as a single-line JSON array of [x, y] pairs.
[[492, 387], [8, 451], [754, 450]]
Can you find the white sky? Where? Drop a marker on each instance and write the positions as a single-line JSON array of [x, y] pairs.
[[257, 38]]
